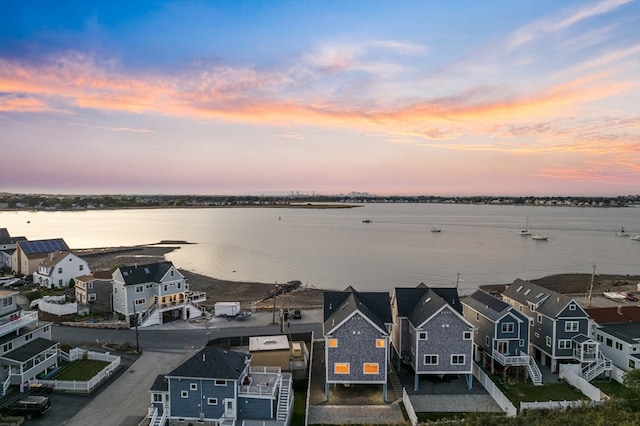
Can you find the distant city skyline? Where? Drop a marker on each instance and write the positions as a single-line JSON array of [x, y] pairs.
[[525, 98]]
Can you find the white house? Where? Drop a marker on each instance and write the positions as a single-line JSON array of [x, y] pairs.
[[153, 294], [618, 331], [59, 269]]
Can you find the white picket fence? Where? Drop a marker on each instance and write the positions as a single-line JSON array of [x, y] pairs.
[[409, 407], [497, 395], [573, 376], [82, 386]]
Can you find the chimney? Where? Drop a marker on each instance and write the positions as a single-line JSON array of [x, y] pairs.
[[51, 255]]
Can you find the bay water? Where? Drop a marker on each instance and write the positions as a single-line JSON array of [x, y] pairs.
[[334, 248]]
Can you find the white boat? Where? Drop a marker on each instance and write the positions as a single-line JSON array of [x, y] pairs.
[[635, 238], [539, 237], [526, 230], [434, 229]]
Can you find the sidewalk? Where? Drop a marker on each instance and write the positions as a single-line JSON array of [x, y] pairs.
[[125, 401]]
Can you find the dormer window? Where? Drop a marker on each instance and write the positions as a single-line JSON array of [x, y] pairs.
[[572, 307]]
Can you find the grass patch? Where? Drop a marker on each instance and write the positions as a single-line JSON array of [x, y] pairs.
[[299, 406], [80, 370], [611, 388], [529, 392]]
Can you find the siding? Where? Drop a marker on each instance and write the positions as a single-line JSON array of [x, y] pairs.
[[255, 409], [189, 407]]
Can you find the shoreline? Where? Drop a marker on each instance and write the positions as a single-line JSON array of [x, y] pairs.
[[259, 295]]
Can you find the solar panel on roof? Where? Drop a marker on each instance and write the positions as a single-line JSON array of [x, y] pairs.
[[43, 246]]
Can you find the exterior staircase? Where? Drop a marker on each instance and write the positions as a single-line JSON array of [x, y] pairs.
[[284, 398], [157, 419], [534, 372], [594, 369], [394, 392]]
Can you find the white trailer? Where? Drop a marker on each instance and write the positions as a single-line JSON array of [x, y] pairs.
[[226, 309]]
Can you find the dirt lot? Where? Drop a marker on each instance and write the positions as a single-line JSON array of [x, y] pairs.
[[258, 294]]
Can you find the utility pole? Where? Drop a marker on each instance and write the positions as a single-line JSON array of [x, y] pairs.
[[457, 279], [593, 275], [135, 316], [282, 315], [274, 303]]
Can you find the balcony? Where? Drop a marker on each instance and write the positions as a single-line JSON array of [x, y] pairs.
[[23, 320], [261, 381], [515, 360], [196, 296]]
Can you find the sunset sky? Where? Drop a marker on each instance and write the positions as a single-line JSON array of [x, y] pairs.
[[268, 97]]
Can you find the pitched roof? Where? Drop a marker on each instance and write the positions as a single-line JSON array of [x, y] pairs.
[[629, 332], [549, 302], [104, 275], [42, 246], [5, 238], [489, 306], [339, 305], [54, 258], [615, 315], [31, 349], [139, 274], [212, 362], [160, 384], [421, 302]]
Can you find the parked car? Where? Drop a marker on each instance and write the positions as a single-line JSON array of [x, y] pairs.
[[630, 296], [284, 314], [29, 406], [296, 314]]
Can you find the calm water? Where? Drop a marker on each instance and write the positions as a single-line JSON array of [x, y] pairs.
[[333, 248]]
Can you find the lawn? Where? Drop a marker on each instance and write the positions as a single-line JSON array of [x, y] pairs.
[[80, 370], [529, 392]]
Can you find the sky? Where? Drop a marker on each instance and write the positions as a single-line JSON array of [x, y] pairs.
[[404, 97]]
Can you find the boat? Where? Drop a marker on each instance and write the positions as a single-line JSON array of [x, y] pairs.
[[434, 229], [525, 231], [635, 238], [539, 237], [622, 233], [366, 221]]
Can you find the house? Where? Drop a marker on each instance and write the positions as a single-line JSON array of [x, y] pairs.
[[617, 329], [8, 246], [59, 268], [430, 333], [220, 387], [501, 335], [26, 348], [560, 328], [154, 294], [356, 331], [270, 350], [94, 290], [28, 254]]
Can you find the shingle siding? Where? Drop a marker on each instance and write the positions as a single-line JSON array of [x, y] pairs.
[[255, 409], [190, 406], [357, 346]]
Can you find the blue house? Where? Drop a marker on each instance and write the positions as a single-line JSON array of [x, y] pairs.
[[430, 333], [356, 332], [560, 328], [501, 335], [220, 387]]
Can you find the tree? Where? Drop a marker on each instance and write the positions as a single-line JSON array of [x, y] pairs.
[[632, 381]]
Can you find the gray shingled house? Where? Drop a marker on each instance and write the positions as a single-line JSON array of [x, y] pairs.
[[560, 328], [430, 333], [502, 333], [356, 330], [219, 387]]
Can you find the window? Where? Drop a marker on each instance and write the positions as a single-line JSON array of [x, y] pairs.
[[157, 397], [571, 326], [184, 394], [564, 344], [28, 337], [139, 289], [507, 327], [521, 342], [90, 284], [81, 267], [487, 341], [8, 301], [92, 297], [8, 346], [632, 363], [466, 335], [422, 335], [477, 316], [539, 318], [599, 338], [380, 343], [371, 368], [220, 383], [140, 301], [572, 307], [172, 272], [548, 341], [619, 346], [431, 360], [59, 270], [341, 368], [193, 386], [212, 401], [609, 342], [457, 359], [333, 343]]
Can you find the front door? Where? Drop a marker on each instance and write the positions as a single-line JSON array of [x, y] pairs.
[[503, 347], [229, 409]]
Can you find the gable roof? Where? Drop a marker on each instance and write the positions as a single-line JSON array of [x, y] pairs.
[[42, 246], [340, 305], [421, 302], [489, 306], [102, 275], [212, 362], [139, 274], [548, 302], [628, 332], [615, 315], [54, 258]]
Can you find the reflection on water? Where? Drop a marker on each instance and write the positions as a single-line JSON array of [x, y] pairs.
[[334, 248]]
